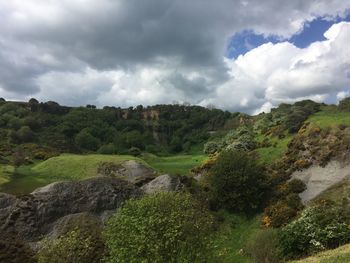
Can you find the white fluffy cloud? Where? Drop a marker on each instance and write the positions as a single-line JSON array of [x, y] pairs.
[[129, 52], [275, 73]]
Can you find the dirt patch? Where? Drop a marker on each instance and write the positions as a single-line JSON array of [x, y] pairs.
[[318, 179]]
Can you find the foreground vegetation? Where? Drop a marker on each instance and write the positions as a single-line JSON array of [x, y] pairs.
[[338, 255]]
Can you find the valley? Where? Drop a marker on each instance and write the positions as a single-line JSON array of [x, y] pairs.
[[50, 152]]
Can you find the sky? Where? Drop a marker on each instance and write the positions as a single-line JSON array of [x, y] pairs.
[[237, 55]]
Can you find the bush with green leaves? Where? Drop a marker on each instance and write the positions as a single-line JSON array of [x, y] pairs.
[[25, 134], [320, 227], [107, 149], [134, 151], [238, 183], [212, 147], [85, 140], [283, 211], [163, 227], [72, 247]]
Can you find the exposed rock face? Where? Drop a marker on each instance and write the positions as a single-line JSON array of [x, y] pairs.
[[6, 200], [34, 215], [319, 179], [130, 171], [164, 182]]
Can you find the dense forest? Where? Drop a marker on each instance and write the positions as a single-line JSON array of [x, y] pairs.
[[158, 129]]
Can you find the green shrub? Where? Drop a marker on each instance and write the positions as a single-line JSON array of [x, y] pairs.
[[153, 149], [263, 246], [70, 248], [25, 134], [14, 123], [238, 182], [296, 186], [281, 213], [211, 147], [134, 151], [107, 149], [320, 227], [175, 144], [85, 140], [164, 227]]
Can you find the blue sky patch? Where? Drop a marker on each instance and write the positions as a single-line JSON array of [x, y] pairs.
[[246, 40], [313, 31]]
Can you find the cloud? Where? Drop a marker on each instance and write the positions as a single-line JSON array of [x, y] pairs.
[[128, 52], [275, 73]]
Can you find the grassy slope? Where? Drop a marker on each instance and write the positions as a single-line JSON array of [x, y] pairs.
[[337, 193], [232, 237], [330, 118], [5, 173], [177, 164], [338, 255], [73, 167], [25, 179], [270, 154]]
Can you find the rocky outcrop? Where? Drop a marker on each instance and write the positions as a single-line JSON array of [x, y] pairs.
[[35, 215], [131, 171], [165, 183], [318, 178]]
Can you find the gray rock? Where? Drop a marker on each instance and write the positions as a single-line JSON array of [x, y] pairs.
[[131, 171], [7, 200], [33, 216], [88, 222], [165, 183]]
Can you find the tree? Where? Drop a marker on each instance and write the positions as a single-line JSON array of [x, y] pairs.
[[85, 140], [176, 144], [25, 134], [33, 104], [134, 151], [164, 227], [238, 182]]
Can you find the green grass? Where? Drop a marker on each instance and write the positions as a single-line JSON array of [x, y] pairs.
[[74, 167], [325, 118], [337, 193], [233, 236], [338, 255], [65, 167], [270, 154], [23, 181], [5, 173], [177, 164]]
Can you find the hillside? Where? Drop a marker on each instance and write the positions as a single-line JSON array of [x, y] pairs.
[[338, 255], [157, 129], [301, 149]]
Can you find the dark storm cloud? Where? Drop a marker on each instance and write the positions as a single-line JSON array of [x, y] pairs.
[[184, 38]]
